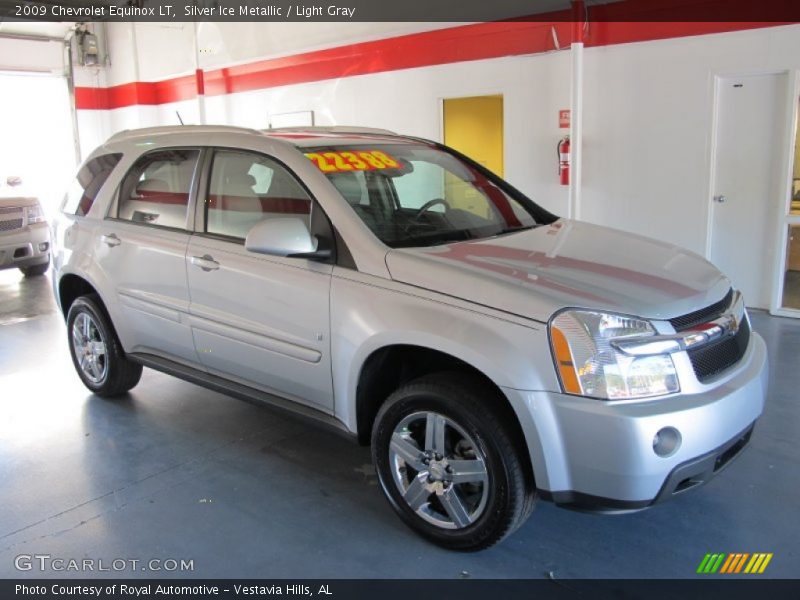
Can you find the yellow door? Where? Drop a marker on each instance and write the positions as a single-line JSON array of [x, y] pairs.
[[474, 126]]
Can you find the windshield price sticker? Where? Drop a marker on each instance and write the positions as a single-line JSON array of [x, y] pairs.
[[338, 162]]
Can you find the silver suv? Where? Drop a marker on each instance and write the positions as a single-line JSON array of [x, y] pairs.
[[396, 291], [24, 233]]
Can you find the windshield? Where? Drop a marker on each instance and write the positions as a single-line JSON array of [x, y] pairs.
[[418, 195]]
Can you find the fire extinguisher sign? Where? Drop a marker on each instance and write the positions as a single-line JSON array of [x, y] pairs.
[[563, 118]]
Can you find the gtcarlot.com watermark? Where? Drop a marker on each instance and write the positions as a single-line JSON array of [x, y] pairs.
[[49, 563]]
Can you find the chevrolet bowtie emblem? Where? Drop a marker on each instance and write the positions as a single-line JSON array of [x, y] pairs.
[[730, 324]]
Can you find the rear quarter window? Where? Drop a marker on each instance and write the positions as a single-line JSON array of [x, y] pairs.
[[84, 188]]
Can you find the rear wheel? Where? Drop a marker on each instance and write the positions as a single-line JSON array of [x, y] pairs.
[[96, 352], [448, 463]]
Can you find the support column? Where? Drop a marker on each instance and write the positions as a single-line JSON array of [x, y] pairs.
[[199, 78], [576, 109]]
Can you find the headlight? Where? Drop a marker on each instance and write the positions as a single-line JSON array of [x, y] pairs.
[[589, 365], [35, 214]]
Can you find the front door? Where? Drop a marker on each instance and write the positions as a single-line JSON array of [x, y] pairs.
[[260, 320], [747, 181]]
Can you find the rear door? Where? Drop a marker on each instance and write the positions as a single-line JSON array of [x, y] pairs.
[[141, 248], [262, 321]]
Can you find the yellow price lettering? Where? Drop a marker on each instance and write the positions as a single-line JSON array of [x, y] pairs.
[[387, 160], [322, 164]]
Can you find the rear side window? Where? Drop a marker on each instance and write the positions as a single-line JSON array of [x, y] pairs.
[[87, 183], [247, 188], [156, 189]]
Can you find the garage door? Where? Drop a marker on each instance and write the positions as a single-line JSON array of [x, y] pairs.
[[36, 128]]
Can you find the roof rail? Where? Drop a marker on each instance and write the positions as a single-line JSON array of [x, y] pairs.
[[130, 133], [330, 129]]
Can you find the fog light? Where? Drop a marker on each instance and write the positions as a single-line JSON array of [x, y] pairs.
[[44, 246], [666, 442]]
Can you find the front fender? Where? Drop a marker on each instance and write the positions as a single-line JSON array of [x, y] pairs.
[[368, 314]]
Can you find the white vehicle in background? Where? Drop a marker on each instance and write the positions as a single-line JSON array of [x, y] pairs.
[[24, 233]]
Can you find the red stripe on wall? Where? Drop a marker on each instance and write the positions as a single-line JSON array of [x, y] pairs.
[[443, 46]]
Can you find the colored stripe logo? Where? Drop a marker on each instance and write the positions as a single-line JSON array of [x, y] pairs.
[[736, 562]]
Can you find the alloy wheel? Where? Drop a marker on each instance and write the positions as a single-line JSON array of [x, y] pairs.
[[439, 469], [89, 348]]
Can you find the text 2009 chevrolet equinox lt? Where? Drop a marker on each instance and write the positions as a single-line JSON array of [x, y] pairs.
[[397, 291]]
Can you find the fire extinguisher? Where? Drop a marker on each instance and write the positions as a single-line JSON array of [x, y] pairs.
[[563, 160]]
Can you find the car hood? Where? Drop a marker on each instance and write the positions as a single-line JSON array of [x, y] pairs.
[[536, 272], [9, 200]]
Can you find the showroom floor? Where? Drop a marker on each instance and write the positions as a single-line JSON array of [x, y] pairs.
[[176, 471]]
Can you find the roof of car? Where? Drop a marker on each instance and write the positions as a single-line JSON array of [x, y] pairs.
[[324, 136], [127, 134], [302, 137]]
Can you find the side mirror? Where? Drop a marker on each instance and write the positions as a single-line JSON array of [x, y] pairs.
[[285, 236], [14, 180]]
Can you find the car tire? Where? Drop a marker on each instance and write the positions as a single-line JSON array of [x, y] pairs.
[[96, 352], [35, 270], [450, 466]]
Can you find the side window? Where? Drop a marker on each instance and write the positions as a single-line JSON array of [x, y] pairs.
[[246, 188], [87, 183], [156, 189]]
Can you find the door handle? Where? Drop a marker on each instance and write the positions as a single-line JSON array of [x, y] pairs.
[[110, 240], [721, 199], [205, 262]]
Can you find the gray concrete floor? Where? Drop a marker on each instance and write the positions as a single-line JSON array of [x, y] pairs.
[[176, 471]]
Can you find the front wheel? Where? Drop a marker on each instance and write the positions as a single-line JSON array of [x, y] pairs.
[[96, 353], [448, 462], [35, 270]]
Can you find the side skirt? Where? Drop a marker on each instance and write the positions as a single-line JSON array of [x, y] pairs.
[[243, 392]]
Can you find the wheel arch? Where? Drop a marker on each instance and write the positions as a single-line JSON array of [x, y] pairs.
[[71, 287], [390, 366]]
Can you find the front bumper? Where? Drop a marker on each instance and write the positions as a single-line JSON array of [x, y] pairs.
[[599, 455], [25, 247]]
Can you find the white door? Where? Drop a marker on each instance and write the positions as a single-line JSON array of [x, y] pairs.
[[746, 183]]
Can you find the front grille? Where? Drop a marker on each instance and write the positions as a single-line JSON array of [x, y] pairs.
[[7, 210], [704, 315], [11, 225], [709, 361]]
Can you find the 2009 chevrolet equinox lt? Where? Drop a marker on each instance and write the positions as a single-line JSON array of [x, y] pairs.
[[394, 289]]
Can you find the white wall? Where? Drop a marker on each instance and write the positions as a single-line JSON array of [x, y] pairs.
[[647, 127], [647, 123], [164, 50]]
